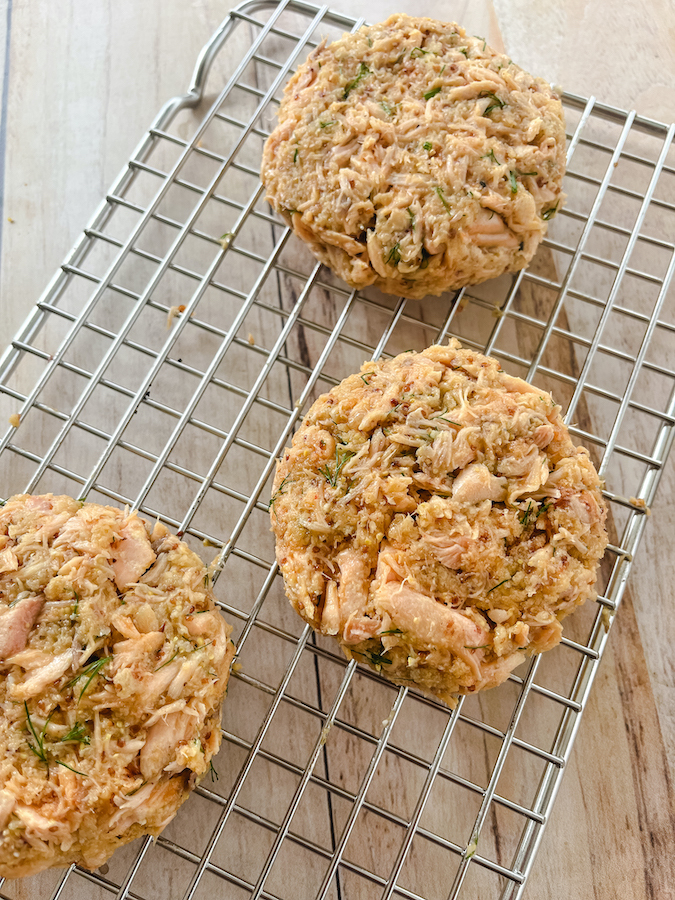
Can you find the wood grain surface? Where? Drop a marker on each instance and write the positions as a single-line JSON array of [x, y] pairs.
[[80, 82]]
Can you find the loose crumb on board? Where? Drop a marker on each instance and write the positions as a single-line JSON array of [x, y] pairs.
[[173, 312], [14, 420], [641, 504], [251, 339]]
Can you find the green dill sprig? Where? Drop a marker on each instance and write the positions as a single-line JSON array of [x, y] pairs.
[[387, 107], [439, 190], [444, 419], [525, 517], [544, 508], [279, 491], [136, 790], [326, 125], [412, 218], [496, 102], [59, 762], [89, 672], [432, 93], [514, 183], [77, 733], [417, 52], [481, 39], [212, 772], [394, 255], [365, 375], [375, 658], [349, 87], [170, 660], [295, 156], [39, 749], [342, 457], [499, 585], [491, 155], [548, 213], [391, 631], [464, 50]]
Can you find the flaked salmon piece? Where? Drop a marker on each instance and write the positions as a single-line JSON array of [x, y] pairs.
[[8, 561], [133, 553], [16, 623], [160, 743], [45, 676], [476, 483], [7, 804]]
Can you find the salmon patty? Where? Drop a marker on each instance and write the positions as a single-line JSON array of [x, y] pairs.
[[114, 663], [434, 516], [412, 156]]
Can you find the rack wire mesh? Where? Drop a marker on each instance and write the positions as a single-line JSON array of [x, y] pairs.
[[332, 783]]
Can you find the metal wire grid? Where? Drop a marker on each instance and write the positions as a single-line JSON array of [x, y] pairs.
[[186, 423]]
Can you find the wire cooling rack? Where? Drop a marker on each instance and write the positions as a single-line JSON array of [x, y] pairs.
[[167, 365]]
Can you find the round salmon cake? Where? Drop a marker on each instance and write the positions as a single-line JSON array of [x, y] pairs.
[[114, 663], [412, 156], [434, 516]]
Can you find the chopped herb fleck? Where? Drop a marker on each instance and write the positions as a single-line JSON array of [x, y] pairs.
[[432, 93], [498, 585], [295, 156], [480, 647], [387, 107], [481, 39], [464, 51], [363, 70], [496, 102], [323, 125], [391, 631], [514, 183], [363, 377], [394, 255], [412, 218], [427, 146], [212, 772], [439, 191], [548, 213], [416, 52]]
